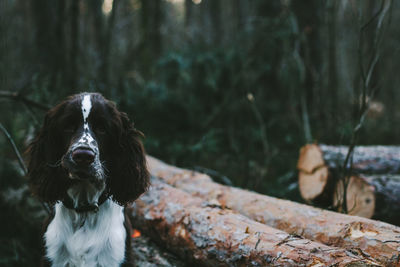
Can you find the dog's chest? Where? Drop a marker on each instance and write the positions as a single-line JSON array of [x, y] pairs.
[[94, 239]]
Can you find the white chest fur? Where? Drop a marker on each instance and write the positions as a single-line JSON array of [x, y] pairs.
[[88, 239]]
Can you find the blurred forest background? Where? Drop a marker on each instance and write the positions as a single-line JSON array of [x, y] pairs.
[[232, 88]]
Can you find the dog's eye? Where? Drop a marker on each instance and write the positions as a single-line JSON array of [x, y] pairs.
[[100, 129], [69, 129]]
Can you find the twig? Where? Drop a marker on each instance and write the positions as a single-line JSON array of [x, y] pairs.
[[367, 92], [260, 120], [215, 174], [373, 17], [305, 117], [31, 114], [20, 160], [19, 97]]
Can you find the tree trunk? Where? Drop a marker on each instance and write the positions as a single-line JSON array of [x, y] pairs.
[[150, 47], [146, 253], [188, 13], [207, 235], [48, 28], [320, 165], [332, 80], [106, 51], [380, 240], [59, 67], [372, 196], [238, 14], [214, 10], [74, 52]]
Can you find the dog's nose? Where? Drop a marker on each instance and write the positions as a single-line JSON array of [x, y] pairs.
[[83, 156]]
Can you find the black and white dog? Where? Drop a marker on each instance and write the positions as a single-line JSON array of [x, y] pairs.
[[87, 161]]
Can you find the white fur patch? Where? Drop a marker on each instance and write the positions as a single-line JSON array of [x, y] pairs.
[[86, 107], [86, 138], [85, 192], [86, 239]]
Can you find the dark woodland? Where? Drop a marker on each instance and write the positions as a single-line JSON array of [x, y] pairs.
[[230, 88]]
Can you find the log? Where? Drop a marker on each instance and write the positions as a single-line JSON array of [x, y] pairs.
[[320, 165], [380, 240], [373, 190], [372, 196], [205, 235], [367, 159], [148, 254]]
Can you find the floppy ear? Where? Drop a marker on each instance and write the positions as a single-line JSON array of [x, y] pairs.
[[129, 177], [47, 180]]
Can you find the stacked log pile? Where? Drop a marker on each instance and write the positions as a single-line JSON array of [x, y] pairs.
[[373, 190], [209, 224]]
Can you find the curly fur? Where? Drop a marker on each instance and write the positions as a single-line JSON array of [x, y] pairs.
[[121, 167]]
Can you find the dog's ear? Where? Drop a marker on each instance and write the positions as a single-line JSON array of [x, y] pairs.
[[47, 180], [128, 177]]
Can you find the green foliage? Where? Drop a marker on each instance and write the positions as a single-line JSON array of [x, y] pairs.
[[195, 110], [233, 105], [22, 216]]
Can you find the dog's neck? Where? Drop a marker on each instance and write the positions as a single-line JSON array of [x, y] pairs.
[[86, 239], [85, 196]]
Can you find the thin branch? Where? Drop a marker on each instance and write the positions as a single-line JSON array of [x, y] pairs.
[[376, 15], [261, 122], [19, 157], [225, 180], [20, 160], [19, 97], [31, 114], [22, 164], [305, 117], [367, 91]]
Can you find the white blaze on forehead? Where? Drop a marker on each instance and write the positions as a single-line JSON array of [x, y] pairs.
[[86, 107]]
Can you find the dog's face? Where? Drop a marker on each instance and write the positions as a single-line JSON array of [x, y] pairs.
[[86, 147], [86, 129]]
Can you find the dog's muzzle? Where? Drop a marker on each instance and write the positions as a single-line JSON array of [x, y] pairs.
[[83, 156]]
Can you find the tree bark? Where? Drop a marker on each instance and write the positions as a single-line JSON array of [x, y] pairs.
[[380, 240], [147, 253], [207, 235]]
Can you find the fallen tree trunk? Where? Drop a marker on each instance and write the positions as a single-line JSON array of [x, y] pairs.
[[319, 165], [210, 236], [371, 192], [366, 159], [372, 196], [147, 254], [380, 240]]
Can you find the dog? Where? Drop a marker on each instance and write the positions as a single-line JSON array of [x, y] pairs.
[[88, 163]]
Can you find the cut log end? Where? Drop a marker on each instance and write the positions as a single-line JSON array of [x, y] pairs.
[[312, 185], [360, 197], [310, 159]]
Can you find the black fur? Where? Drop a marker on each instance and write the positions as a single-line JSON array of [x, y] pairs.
[[120, 148]]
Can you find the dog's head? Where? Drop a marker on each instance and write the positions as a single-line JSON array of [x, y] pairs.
[[86, 148]]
